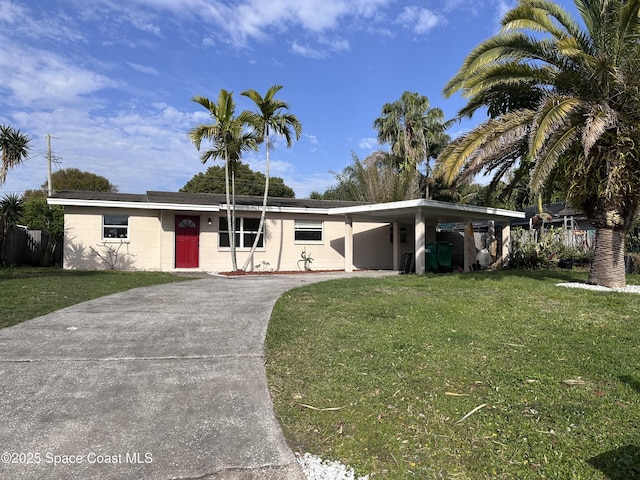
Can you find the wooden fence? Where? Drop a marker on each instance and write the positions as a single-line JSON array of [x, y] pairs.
[[35, 248], [579, 239]]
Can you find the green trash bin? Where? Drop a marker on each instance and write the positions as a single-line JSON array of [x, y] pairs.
[[431, 254], [444, 257]]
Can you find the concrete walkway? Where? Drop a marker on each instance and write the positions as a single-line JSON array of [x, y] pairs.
[[163, 382]]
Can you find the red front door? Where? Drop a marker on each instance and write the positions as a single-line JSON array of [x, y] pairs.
[[187, 241]]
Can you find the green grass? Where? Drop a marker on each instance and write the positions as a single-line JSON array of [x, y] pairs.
[[27, 293], [400, 361]]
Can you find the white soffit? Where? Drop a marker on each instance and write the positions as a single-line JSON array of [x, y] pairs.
[[135, 205], [430, 208]]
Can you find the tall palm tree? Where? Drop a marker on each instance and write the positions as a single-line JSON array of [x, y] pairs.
[[271, 117], [230, 139], [15, 148], [564, 102], [415, 131]]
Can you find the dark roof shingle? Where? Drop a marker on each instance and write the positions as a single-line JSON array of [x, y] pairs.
[[183, 198]]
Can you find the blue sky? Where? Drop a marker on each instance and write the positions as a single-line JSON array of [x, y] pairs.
[[112, 80]]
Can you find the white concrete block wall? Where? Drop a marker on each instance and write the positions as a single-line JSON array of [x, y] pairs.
[[83, 240], [151, 242]]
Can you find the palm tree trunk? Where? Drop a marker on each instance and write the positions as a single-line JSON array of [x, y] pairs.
[[231, 227], [234, 245], [264, 207], [607, 268]]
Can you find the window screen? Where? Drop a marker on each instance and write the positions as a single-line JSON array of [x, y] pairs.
[[308, 230], [115, 226]]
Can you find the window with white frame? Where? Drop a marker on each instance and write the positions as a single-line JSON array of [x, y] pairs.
[[115, 227], [308, 231], [246, 232]]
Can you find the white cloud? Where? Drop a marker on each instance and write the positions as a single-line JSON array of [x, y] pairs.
[[318, 182], [419, 20], [244, 20], [11, 12], [308, 51], [35, 77], [143, 69], [312, 139], [325, 47], [137, 147], [336, 44], [16, 19], [253, 16], [138, 150], [370, 143]]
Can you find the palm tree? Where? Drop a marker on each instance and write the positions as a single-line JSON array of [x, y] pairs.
[[376, 180], [270, 117], [415, 131], [564, 103], [11, 209], [229, 138], [15, 148]]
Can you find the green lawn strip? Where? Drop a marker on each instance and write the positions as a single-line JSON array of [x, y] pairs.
[[27, 293], [379, 374]]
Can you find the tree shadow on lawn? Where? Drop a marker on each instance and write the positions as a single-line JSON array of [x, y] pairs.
[[619, 464], [18, 273], [632, 382], [622, 463]]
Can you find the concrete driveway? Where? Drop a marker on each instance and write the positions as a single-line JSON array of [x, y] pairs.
[[163, 382]]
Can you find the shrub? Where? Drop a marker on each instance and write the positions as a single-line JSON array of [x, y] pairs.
[[633, 237], [633, 262], [530, 253], [525, 253]]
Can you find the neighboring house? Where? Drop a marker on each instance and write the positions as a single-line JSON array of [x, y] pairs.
[[561, 215], [166, 231], [579, 231]]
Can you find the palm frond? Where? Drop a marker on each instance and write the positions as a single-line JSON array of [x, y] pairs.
[[15, 148], [501, 49], [599, 119], [473, 149], [510, 75], [529, 17], [630, 19], [547, 160], [553, 114], [551, 11], [206, 103]]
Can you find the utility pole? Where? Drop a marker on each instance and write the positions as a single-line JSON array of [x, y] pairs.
[[50, 160]]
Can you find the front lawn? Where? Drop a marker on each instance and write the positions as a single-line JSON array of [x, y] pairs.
[[477, 376], [27, 293]]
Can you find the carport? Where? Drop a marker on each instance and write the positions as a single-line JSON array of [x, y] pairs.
[[426, 215]]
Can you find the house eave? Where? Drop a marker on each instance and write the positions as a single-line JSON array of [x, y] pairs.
[[292, 210], [440, 211], [71, 202]]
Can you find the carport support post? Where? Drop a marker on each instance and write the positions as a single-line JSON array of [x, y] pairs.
[[469, 245], [395, 244], [421, 234], [348, 244], [506, 241]]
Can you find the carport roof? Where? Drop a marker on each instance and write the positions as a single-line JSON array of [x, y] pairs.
[[433, 212]]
